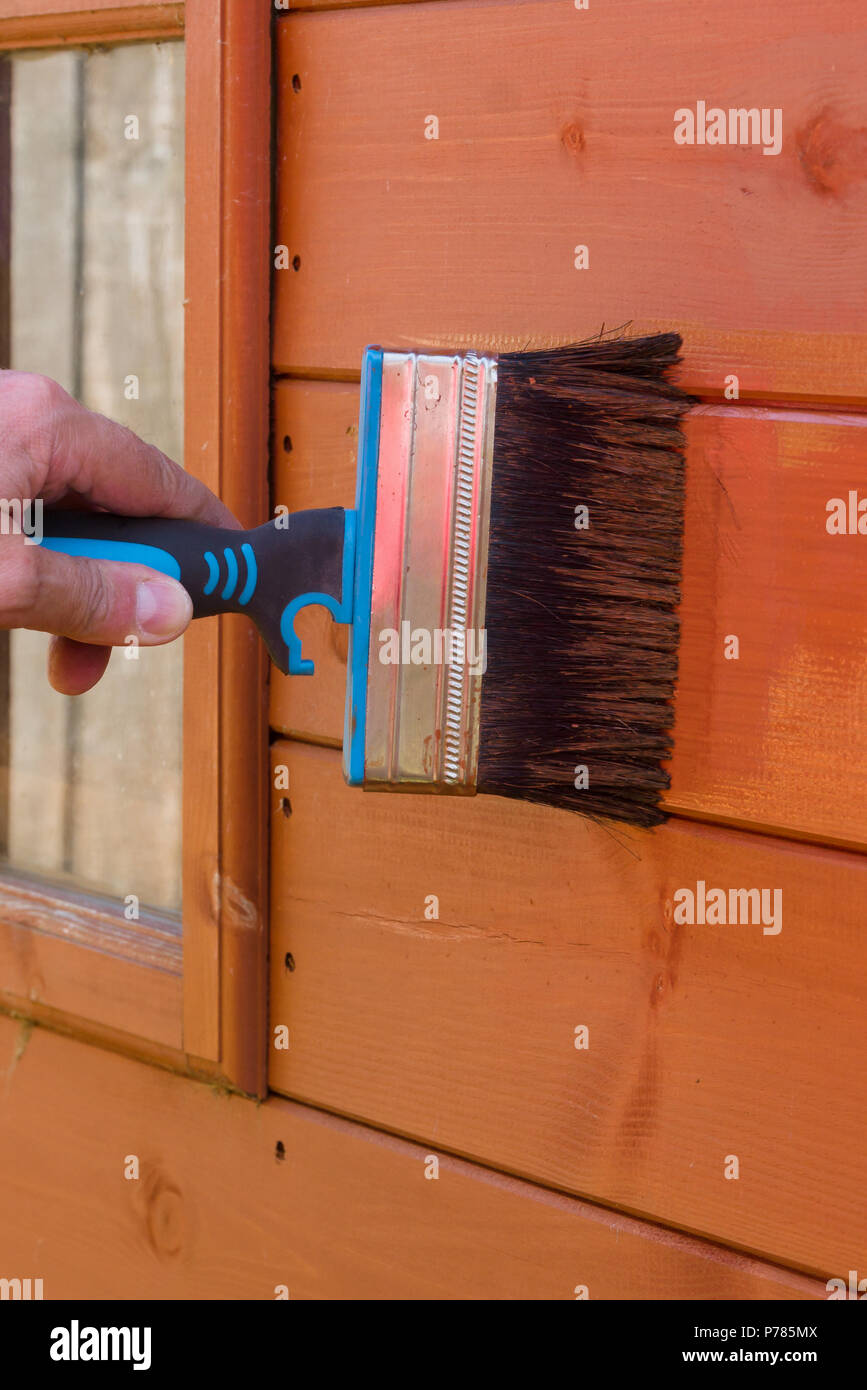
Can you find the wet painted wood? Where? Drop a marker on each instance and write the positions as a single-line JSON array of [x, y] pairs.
[[772, 739]]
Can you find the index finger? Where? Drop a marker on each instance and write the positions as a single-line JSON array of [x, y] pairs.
[[112, 467]]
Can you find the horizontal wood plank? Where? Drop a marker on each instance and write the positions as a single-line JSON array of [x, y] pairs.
[[90, 987], [347, 1213], [556, 130], [774, 739], [30, 9], [75, 953], [345, 4], [705, 1042], [55, 23]]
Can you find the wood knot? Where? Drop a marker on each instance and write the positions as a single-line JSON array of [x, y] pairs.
[[657, 988], [163, 1214], [572, 137], [832, 154]]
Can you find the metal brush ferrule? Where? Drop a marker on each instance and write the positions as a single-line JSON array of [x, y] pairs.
[[427, 645]]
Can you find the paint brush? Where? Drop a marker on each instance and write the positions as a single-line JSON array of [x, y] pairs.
[[509, 573]]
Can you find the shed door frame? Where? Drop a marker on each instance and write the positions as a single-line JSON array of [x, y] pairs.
[[65, 960]]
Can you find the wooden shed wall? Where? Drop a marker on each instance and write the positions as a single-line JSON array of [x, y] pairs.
[[555, 128], [453, 1039]]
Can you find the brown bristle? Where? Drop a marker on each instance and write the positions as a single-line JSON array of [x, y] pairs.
[[582, 626]]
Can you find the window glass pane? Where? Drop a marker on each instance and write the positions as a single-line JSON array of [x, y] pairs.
[[93, 176]]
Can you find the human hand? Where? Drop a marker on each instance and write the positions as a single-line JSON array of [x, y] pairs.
[[53, 448]]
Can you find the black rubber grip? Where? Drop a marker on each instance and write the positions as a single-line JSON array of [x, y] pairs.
[[267, 573]]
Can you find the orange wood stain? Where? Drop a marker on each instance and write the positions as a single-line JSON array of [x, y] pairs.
[[556, 130], [226, 399], [53, 23], [456, 1030], [704, 1040], [346, 1213], [771, 740]]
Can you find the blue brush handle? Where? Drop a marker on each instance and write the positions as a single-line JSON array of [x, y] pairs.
[[269, 573]]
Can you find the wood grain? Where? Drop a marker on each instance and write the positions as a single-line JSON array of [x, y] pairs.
[[227, 401], [38, 9], [226, 428], [774, 739], [139, 1001], [771, 740], [556, 129], [202, 456], [314, 438], [245, 288], [344, 4], [73, 952], [54, 23], [346, 1214], [704, 1041]]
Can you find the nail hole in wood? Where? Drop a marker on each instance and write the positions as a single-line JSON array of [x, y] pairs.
[[296, 262], [287, 444], [280, 1151], [296, 82], [286, 806], [289, 961]]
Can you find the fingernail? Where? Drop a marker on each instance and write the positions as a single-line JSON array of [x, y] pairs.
[[163, 608]]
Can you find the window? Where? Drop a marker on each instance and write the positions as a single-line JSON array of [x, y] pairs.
[[133, 271], [96, 205]]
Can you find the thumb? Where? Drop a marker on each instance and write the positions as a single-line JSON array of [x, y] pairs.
[[90, 600]]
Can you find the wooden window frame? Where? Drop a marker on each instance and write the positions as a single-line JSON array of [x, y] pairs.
[[195, 1001]]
